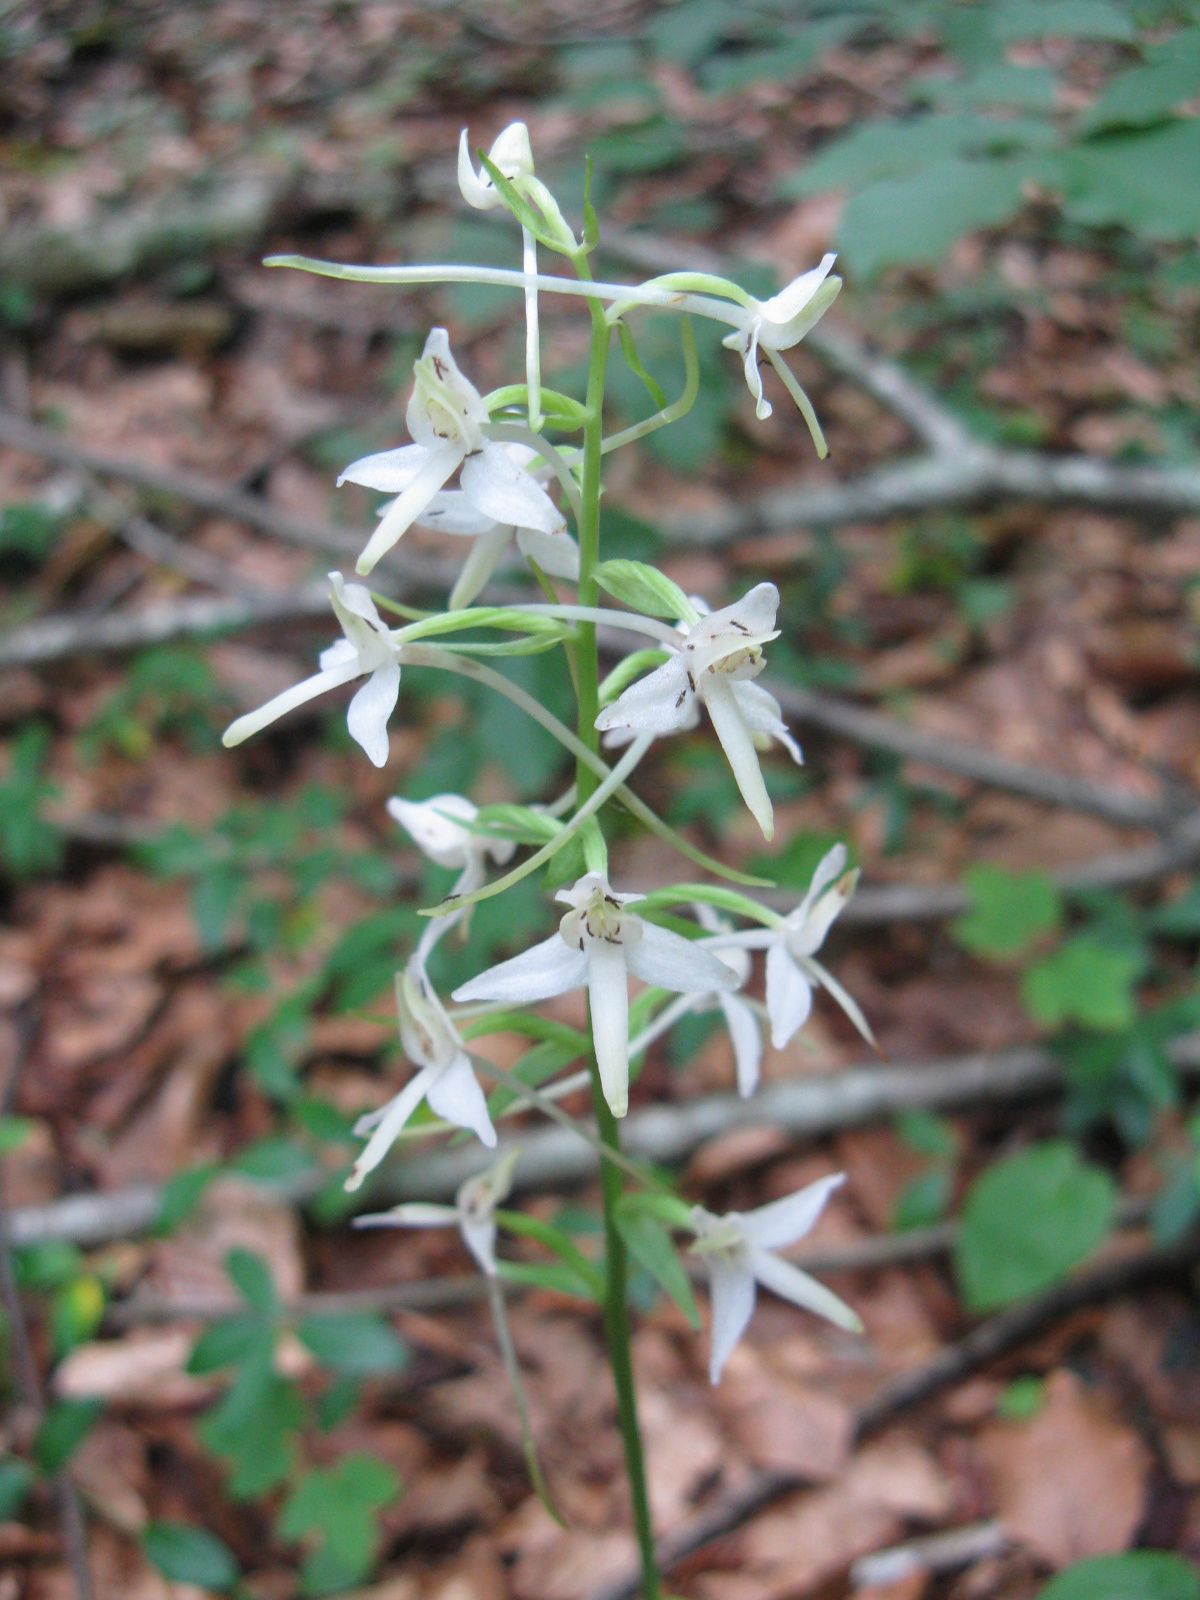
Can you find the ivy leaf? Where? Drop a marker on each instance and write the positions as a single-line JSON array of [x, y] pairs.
[[1029, 1219], [1009, 912], [354, 1343], [339, 1508], [190, 1555], [1086, 981], [253, 1427]]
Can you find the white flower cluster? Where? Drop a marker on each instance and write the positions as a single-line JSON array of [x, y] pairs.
[[472, 471]]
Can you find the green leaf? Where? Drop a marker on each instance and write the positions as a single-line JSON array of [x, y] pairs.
[[180, 1194], [76, 1313], [252, 1277], [231, 1342], [28, 845], [1027, 1220], [520, 823], [1136, 1575], [339, 1507], [914, 221], [190, 1555], [555, 1240], [63, 1430], [1009, 912], [253, 1428], [1133, 181], [14, 1131], [634, 362], [552, 1275], [645, 589], [1021, 1399], [649, 1243], [923, 1200], [1179, 919], [354, 1343], [16, 1480], [1149, 93], [1085, 981]]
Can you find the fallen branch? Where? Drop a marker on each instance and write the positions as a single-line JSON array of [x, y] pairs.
[[986, 1343], [809, 1107], [960, 471]]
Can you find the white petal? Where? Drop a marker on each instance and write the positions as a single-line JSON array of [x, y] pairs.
[[810, 936], [789, 995], [480, 1240], [408, 506], [499, 488], [299, 694], [432, 826], [451, 512], [395, 1114], [789, 1283], [608, 994], [761, 714], [846, 1000], [664, 701], [762, 406], [415, 1215], [731, 1294], [670, 961], [753, 614], [341, 653], [389, 471], [486, 554], [784, 1221], [476, 191], [746, 1035], [556, 553], [739, 751], [830, 867], [511, 151], [783, 314], [455, 1094], [368, 713], [547, 969]]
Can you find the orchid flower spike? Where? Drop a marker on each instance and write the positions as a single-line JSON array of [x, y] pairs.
[[473, 1212], [447, 417], [778, 324], [744, 1030], [738, 1250], [436, 827], [451, 511], [720, 656], [367, 648], [445, 1077], [601, 944], [512, 155]]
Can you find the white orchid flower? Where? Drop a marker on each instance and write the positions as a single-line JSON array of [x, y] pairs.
[[715, 664], [600, 944], [791, 946], [451, 511], [778, 324], [436, 827], [738, 1250], [744, 1031], [445, 1077], [446, 417], [367, 650], [473, 1212]]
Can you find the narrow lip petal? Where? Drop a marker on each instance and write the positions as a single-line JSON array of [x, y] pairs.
[[608, 995], [388, 1128], [414, 1214], [299, 694], [746, 1037], [407, 507], [486, 555], [761, 713], [740, 752]]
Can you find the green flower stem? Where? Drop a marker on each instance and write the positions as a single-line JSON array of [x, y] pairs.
[[620, 1354], [616, 1296]]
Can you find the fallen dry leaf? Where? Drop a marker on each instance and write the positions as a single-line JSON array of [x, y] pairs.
[[1070, 1483]]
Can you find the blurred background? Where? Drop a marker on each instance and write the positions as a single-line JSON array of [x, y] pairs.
[[989, 602]]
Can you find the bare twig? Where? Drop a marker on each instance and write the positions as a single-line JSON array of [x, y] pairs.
[[961, 469], [985, 1343], [667, 1134], [940, 1552]]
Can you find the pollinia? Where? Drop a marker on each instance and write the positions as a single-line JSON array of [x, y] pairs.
[[521, 467]]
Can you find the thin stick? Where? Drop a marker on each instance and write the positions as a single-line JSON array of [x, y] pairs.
[[668, 1134]]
